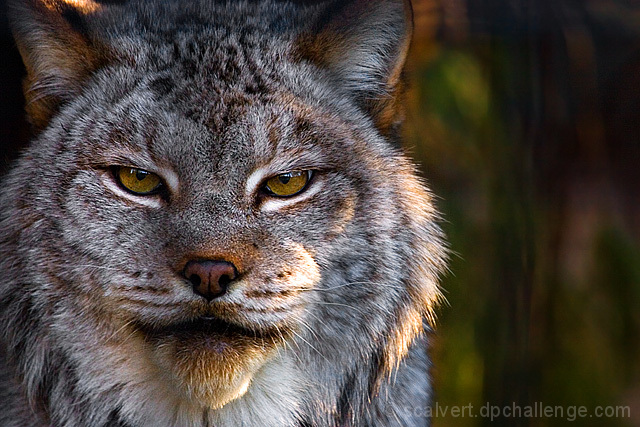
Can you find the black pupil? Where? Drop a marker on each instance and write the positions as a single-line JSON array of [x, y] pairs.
[[285, 178], [140, 175]]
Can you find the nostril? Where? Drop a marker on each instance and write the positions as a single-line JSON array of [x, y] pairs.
[[195, 280], [210, 279], [224, 280]]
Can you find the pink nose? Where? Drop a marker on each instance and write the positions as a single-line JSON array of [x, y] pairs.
[[210, 279]]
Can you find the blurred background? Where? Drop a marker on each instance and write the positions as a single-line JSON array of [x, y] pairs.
[[525, 118]]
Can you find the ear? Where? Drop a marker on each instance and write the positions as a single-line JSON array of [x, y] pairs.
[[56, 50], [365, 44]]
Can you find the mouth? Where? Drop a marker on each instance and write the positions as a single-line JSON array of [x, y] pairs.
[[214, 333]]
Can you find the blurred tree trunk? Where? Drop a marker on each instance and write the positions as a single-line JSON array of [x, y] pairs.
[[510, 52]]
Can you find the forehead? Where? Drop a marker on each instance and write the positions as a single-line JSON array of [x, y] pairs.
[[256, 133], [217, 82], [235, 45], [217, 64], [230, 131]]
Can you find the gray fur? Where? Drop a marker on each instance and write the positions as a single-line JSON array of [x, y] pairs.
[[336, 282]]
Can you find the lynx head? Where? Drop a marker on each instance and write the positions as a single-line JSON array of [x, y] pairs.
[[215, 206]]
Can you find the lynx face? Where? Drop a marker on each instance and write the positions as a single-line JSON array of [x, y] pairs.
[[214, 225], [212, 206]]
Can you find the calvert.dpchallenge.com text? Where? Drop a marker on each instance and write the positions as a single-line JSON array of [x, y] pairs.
[[536, 410]]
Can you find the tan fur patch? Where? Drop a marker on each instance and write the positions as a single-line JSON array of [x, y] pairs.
[[57, 60], [213, 369], [83, 6]]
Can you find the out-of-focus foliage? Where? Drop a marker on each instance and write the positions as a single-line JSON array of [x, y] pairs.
[[526, 118]]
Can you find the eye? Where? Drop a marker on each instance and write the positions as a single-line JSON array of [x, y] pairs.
[[287, 184], [138, 181]]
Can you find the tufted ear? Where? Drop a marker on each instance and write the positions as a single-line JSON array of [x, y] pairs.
[[56, 49], [365, 44]]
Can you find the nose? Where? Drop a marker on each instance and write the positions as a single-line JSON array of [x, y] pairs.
[[209, 278]]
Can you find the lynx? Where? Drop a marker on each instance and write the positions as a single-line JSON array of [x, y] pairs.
[[215, 224]]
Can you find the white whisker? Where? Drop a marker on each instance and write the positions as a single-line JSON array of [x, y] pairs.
[[127, 324], [310, 345]]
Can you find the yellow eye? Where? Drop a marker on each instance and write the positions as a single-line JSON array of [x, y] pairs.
[[138, 181], [288, 184]]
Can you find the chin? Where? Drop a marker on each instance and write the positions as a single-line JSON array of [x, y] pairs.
[[211, 361]]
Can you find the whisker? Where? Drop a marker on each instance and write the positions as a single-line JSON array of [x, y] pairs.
[[318, 318], [376, 284], [307, 326], [310, 345], [143, 302], [339, 304], [100, 267], [127, 324]]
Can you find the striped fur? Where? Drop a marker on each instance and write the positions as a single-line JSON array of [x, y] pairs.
[[325, 324]]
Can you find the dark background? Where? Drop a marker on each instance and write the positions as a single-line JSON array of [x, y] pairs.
[[14, 131], [525, 118]]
